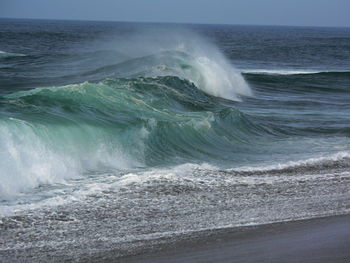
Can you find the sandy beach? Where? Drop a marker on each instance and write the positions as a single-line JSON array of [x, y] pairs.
[[314, 240]]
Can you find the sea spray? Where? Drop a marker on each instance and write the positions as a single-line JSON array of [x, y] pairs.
[[180, 53]]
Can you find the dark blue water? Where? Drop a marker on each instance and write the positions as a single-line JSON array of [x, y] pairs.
[[116, 132]]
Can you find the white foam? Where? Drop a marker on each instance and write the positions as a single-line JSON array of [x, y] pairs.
[[8, 54], [291, 164], [33, 155], [207, 175], [179, 173], [211, 71]]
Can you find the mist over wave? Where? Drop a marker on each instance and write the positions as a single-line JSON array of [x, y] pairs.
[[178, 53]]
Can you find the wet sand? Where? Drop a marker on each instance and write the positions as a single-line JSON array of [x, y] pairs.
[[314, 240]]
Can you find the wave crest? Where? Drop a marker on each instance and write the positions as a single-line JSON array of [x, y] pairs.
[[182, 54]]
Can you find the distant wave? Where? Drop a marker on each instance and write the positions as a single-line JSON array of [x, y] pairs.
[[4, 54], [292, 72], [333, 161]]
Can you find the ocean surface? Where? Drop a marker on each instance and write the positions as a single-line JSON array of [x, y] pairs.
[[115, 136]]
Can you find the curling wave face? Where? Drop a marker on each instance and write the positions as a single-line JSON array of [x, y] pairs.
[[50, 134]]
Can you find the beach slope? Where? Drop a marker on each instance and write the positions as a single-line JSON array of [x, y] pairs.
[[313, 240]]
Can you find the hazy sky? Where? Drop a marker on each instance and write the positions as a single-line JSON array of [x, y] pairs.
[[258, 12]]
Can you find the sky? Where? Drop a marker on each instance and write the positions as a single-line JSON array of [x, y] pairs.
[[246, 12]]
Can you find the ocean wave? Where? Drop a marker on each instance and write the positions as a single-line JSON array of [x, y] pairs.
[[52, 134], [190, 177]]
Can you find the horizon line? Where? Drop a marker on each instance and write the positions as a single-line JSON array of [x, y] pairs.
[[174, 23]]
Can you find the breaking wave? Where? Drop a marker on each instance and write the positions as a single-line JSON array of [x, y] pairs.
[[51, 134]]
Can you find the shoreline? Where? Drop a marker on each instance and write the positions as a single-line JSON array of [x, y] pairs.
[[325, 239]]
